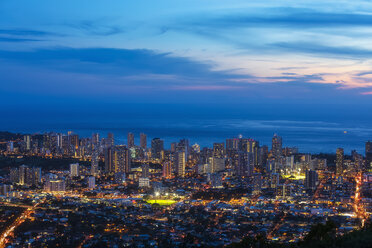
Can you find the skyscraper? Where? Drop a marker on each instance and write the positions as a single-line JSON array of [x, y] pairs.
[[167, 169], [95, 140], [145, 170], [27, 141], [94, 163], [339, 161], [276, 147], [110, 140], [74, 170], [180, 163], [311, 179], [130, 140], [109, 167], [121, 159], [218, 150], [157, 147], [74, 139], [143, 141]]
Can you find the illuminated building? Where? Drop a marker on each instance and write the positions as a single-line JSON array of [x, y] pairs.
[[242, 163], [196, 148], [27, 141], [284, 191], [183, 146], [130, 140], [91, 182], [167, 169], [274, 180], [217, 164], [121, 159], [339, 161], [10, 146], [257, 183], [276, 147], [143, 182], [54, 184], [110, 140], [74, 170], [120, 177], [143, 141], [157, 148], [311, 179], [108, 153], [218, 150], [74, 139], [145, 170], [180, 162], [95, 141], [94, 163], [215, 180]]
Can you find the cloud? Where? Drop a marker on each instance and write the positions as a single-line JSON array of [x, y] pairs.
[[284, 17], [10, 39], [23, 35], [97, 28], [320, 49], [25, 32]]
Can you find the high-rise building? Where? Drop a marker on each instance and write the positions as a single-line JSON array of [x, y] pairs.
[[242, 163], [130, 140], [10, 146], [274, 180], [145, 170], [27, 141], [74, 141], [368, 164], [110, 140], [216, 180], [217, 164], [167, 169], [95, 141], [91, 182], [276, 147], [218, 150], [257, 183], [157, 148], [311, 179], [74, 170], [26, 175], [121, 159], [180, 163], [339, 161], [184, 146], [143, 182], [109, 166], [54, 184], [143, 141], [94, 163]]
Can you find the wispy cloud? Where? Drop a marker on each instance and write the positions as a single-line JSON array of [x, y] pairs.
[[98, 28]]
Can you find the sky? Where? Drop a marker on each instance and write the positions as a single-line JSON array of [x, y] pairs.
[[271, 59]]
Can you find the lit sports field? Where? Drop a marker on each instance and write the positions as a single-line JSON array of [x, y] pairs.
[[161, 202], [295, 177]]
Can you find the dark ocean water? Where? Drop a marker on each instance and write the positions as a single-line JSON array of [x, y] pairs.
[[308, 136], [310, 127]]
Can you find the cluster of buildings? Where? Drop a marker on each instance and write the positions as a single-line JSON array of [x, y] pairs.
[[234, 188]]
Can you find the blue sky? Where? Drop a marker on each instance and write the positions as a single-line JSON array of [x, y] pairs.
[[84, 54]]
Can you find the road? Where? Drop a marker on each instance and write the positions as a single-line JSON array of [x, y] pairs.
[[26, 214]]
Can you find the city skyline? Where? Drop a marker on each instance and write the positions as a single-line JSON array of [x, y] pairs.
[[199, 123]]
